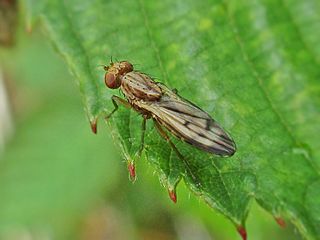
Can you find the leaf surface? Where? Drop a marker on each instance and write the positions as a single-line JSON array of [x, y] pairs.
[[252, 65]]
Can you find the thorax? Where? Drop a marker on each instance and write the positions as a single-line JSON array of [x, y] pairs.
[[138, 86]]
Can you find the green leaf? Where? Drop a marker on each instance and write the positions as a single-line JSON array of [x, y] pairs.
[[253, 65]]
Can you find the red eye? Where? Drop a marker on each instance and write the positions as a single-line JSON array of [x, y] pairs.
[[111, 80]]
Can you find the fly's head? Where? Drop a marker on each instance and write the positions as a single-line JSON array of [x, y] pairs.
[[115, 72]]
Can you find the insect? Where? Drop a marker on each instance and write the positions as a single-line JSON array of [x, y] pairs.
[[154, 100]]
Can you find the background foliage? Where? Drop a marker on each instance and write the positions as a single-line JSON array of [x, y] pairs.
[[255, 65]]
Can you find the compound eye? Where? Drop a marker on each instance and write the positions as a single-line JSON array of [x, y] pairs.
[[111, 80]]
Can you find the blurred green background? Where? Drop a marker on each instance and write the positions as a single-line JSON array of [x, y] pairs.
[[60, 181]]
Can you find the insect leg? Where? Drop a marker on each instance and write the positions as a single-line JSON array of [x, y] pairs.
[[143, 130], [116, 100], [187, 164]]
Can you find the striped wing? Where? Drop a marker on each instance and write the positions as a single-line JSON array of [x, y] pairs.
[[193, 125]]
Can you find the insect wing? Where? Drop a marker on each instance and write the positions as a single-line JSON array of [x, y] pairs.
[[193, 125]]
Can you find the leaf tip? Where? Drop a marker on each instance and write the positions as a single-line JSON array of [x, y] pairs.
[[93, 124], [242, 231], [132, 171], [280, 222], [173, 195]]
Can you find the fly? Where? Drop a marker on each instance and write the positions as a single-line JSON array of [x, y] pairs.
[[168, 110]]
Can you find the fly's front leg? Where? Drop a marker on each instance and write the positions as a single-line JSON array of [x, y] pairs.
[[117, 100], [175, 149]]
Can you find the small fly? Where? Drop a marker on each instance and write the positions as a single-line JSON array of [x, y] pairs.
[[154, 100]]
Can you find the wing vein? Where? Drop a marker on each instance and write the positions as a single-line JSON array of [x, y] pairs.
[[189, 123]]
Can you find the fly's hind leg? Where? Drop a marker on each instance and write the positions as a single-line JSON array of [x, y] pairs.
[[117, 101], [181, 157]]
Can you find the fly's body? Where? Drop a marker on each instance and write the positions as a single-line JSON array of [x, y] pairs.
[[138, 86], [154, 100]]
